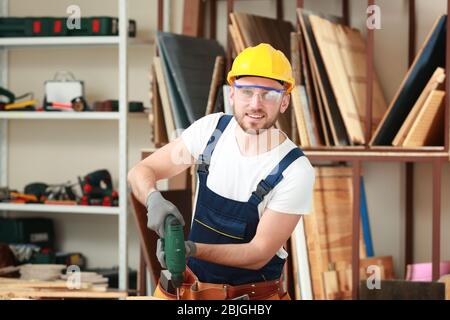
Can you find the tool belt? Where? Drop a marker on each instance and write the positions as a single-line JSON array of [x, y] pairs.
[[193, 289]]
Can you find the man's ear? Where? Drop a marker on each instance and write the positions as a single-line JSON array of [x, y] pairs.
[[285, 102]]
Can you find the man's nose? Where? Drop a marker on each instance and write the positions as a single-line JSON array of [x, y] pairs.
[[256, 100]]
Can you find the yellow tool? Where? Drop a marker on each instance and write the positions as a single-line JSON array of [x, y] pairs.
[[21, 104]]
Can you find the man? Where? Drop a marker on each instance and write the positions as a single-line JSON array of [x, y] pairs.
[[254, 185]]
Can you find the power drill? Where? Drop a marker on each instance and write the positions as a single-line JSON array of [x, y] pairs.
[[175, 252]]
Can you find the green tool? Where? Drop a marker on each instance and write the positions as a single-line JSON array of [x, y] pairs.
[[175, 252]]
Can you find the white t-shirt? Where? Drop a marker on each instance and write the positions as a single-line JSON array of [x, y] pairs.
[[235, 176]]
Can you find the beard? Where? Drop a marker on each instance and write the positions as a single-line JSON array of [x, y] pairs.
[[255, 128]]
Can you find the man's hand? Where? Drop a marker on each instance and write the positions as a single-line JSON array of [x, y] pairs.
[[158, 209], [160, 254]]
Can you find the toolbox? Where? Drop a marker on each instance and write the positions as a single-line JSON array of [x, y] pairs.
[[37, 231], [101, 26], [57, 26], [26, 27]]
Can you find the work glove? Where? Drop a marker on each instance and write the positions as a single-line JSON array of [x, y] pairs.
[[160, 254], [158, 209]]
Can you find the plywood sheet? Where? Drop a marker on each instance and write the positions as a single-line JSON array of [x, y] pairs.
[[326, 38], [353, 53], [428, 127], [167, 109], [329, 227], [436, 82]]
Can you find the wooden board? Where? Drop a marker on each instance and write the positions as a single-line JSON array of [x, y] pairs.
[[329, 227], [299, 116], [158, 122], [315, 110], [326, 38], [254, 30], [239, 41], [216, 82], [353, 53], [430, 57], [428, 128], [193, 18], [436, 82], [167, 109], [337, 133], [52, 294], [301, 263]]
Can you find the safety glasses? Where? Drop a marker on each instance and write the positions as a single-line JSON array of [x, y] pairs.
[[268, 96]]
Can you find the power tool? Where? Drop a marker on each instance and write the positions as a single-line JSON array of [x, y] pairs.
[[175, 252]]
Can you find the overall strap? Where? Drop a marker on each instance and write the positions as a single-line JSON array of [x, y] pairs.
[[205, 157], [274, 177]]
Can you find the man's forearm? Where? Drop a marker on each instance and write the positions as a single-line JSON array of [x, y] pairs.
[[246, 255], [142, 180]]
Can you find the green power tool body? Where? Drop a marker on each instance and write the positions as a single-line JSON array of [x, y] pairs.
[[175, 251]]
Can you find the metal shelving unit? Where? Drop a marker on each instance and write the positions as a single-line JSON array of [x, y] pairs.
[[121, 42], [356, 156]]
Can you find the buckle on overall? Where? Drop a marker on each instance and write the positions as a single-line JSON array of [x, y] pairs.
[[203, 166], [262, 189]]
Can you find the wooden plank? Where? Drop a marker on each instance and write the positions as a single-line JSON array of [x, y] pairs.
[[234, 45], [325, 36], [338, 134], [238, 32], [193, 18], [315, 110], [76, 294], [353, 52], [386, 262], [297, 100], [244, 27], [158, 122], [167, 109], [428, 127], [216, 81], [302, 254], [329, 227], [436, 82], [298, 111], [430, 56]]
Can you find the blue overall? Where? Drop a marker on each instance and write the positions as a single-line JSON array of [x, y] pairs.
[[218, 220]]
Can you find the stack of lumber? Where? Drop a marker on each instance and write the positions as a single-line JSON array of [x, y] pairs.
[[250, 30], [42, 272], [182, 77], [329, 226], [328, 232], [415, 117], [17, 288], [329, 64]]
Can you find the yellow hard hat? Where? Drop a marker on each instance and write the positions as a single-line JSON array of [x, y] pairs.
[[262, 61]]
